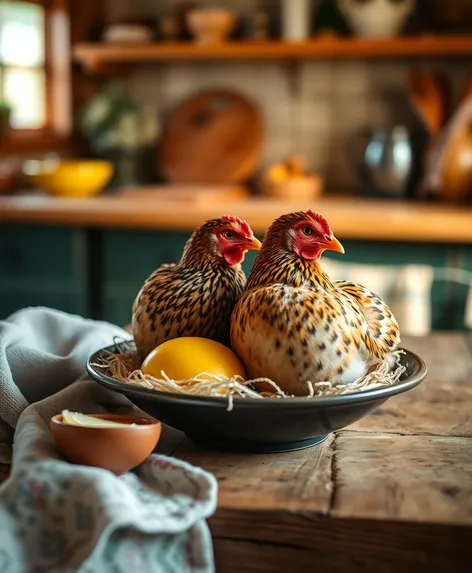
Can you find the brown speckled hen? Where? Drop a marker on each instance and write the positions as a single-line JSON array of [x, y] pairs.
[[196, 296], [293, 324]]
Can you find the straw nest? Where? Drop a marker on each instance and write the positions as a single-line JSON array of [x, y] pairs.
[[124, 367]]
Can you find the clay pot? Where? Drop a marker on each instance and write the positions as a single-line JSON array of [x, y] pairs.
[[211, 26], [376, 18], [457, 166]]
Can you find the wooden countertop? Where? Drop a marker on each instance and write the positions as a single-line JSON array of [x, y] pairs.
[[392, 492], [350, 218]]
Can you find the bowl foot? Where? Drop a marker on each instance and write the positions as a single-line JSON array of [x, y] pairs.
[[256, 447]]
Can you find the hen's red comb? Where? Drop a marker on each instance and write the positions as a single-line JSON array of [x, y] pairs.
[[245, 228], [321, 220]]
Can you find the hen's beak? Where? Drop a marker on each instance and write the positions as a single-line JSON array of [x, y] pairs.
[[252, 244], [332, 244]]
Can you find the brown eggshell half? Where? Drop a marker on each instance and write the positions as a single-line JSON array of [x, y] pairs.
[[115, 449]]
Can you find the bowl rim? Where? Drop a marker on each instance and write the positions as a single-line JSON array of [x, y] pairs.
[[153, 423], [44, 171], [320, 401], [93, 163]]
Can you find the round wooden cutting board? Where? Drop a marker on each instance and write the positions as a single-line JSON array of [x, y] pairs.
[[214, 137]]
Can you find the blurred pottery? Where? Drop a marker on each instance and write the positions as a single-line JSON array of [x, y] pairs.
[[457, 166], [122, 32], [291, 181], [383, 160], [256, 25], [69, 177], [429, 92], [169, 28], [305, 188], [211, 26], [9, 175], [376, 18], [448, 165], [296, 19]]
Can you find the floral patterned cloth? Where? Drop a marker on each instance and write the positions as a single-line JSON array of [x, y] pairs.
[[57, 517], [43, 351]]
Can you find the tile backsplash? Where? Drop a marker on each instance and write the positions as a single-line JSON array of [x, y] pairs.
[[331, 100]]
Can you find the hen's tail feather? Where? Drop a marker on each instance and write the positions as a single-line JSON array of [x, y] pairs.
[[382, 334]]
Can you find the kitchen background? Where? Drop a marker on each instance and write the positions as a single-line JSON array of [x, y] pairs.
[[352, 104], [312, 109]]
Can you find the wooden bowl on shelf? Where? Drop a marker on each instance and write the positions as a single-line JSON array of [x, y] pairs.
[[290, 180], [299, 188], [211, 26]]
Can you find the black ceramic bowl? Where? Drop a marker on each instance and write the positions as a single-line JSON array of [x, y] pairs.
[[255, 425]]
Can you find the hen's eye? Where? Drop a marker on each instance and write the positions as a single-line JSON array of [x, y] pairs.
[[228, 234], [307, 230]]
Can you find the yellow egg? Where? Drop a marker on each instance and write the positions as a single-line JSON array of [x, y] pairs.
[[186, 357]]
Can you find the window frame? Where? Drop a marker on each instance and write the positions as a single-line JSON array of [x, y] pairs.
[[57, 67]]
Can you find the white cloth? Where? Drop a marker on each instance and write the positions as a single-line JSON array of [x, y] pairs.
[[60, 517], [406, 290], [43, 351]]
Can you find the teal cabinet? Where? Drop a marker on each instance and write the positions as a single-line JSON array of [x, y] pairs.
[[128, 258], [446, 308], [98, 273], [459, 291], [43, 266]]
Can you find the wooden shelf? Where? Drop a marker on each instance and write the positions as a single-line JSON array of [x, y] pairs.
[[95, 56]]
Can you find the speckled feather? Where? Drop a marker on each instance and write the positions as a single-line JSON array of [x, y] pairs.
[[192, 298], [292, 324]]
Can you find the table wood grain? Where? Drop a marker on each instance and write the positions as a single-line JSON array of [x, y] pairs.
[[391, 493]]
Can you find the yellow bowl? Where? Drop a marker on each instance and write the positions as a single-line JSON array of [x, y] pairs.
[[71, 177]]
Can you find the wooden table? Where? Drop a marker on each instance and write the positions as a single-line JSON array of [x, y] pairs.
[[392, 493]]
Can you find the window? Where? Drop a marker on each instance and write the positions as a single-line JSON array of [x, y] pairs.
[[22, 63], [35, 71]]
